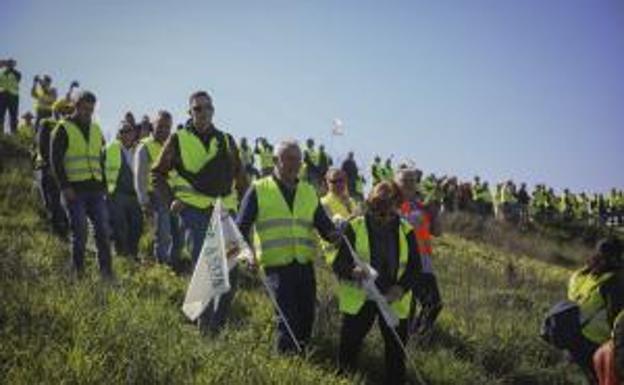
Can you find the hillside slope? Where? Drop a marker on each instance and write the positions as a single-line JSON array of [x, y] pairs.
[[57, 330]]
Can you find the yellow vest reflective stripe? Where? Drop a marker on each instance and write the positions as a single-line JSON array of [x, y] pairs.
[[584, 289], [83, 155], [284, 236], [113, 165], [351, 298], [194, 156], [9, 83]]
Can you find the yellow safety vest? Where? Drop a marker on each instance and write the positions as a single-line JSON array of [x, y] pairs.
[[9, 83], [336, 210], [282, 235], [43, 100], [113, 165], [584, 289], [26, 132], [246, 156], [266, 158], [83, 156], [351, 297], [315, 156], [194, 157]]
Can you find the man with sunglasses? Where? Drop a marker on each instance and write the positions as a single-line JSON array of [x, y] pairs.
[[208, 167]]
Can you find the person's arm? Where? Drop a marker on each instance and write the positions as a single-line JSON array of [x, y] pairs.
[[248, 213], [43, 143], [241, 182], [33, 89], [58, 147], [141, 174], [414, 266], [613, 293], [324, 225], [343, 264], [160, 170]]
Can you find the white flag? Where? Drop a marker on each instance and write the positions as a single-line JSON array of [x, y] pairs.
[[236, 247], [211, 276], [337, 127]]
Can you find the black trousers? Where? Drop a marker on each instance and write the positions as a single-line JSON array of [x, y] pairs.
[[294, 287], [10, 103], [427, 293], [354, 329]]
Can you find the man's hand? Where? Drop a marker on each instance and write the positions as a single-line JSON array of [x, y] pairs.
[[359, 274], [69, 194], [394, 293], [176, 206]]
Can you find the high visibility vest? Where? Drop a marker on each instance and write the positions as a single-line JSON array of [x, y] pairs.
[[246, 156], [336, 207], [616, 323], [315, 156], [284, 236], [83, 156], [43, 100], [387, 173], [9, 82], [194, 157], [154, 148], [584, 289], [113, 164], [26, 132], [422, 231], [377, 173], [351, 298], [266, 158], [359, 185]]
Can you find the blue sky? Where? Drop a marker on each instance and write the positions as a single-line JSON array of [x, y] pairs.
[[529, 90]]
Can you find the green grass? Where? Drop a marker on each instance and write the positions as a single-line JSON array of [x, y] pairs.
[[55, 329]]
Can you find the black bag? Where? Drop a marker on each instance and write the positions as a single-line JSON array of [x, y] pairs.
[[562, 325]]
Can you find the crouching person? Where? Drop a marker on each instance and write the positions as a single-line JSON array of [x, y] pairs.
[[381, 239]]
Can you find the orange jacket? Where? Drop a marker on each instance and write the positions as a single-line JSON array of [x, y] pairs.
[[422, 230]]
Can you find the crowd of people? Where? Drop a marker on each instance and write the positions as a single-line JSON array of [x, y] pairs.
[[283, 198]]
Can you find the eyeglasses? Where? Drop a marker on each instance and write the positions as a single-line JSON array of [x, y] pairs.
[[201, 107]]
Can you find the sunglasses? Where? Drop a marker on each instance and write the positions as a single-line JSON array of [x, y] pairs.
[[336, 181], [202, 107]]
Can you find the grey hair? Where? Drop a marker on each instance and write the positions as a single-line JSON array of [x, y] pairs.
[[285, 145], [402, 171]]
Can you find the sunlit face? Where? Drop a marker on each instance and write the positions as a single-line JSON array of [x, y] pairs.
[[127, 135], [84, 110], [162, 128], [288, 163], [408, 183], [202, 111], [337, 183]]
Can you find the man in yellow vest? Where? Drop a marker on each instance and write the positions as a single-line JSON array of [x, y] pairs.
[[45, 96], [167, 238], [124, 207], [312, 162], [387, 243], [286, 212], [207, 167], [26, 129], [76, 158], [247, 159], [9, 93], [264, 151]]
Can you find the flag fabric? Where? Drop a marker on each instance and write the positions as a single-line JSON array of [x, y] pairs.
[[210, 279], [337, 127]]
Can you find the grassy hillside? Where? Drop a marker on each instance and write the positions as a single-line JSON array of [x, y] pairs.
[[57, 330]]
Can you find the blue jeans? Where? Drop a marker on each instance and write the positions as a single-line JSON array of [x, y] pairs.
[[127, 221], [194, 225], [90, 205], [167, 237]]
